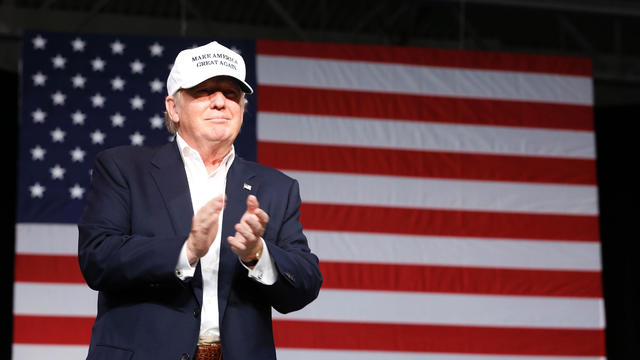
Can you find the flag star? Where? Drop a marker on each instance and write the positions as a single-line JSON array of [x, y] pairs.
[[136, 138], [76, 191], [117, 120], [57, 172], [78, 117], [37, 153], [156, 85], [57, 135], [38, 116], [59, 61], [117, 47], [98, 100], [156, 49], [117, 83], [78, 81], [156, 122], [39, 79], [78, 44], [39, 42], [37, 190], [77, 154], [58, 98], [137, 67], [137, 102], [98, 64], [97, 137], [236, 50]]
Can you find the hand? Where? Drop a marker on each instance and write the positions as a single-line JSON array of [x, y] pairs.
[[246, 243], [204, 229]]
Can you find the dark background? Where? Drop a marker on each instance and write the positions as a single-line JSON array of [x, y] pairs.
[[601, 30]]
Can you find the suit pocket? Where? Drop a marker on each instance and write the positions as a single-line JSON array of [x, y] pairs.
[[105, 352]]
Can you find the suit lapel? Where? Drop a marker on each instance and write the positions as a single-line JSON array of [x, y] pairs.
[[169, 175], [239, 186]]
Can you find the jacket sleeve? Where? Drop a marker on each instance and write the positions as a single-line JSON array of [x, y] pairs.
[[299, 277], [111, 256]]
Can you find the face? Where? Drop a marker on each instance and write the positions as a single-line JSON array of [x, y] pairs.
[[208, 114]]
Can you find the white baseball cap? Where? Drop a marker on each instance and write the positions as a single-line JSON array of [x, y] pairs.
[[193, 66]]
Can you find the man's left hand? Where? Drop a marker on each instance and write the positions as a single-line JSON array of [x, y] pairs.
[[247, 243]]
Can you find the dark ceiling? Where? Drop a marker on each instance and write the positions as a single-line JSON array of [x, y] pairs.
[[602, 30]]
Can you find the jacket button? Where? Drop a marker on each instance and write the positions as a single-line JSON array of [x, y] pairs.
[[196, 313], [184, 356]]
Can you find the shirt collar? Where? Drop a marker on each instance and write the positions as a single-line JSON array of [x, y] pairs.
[[187, 151]]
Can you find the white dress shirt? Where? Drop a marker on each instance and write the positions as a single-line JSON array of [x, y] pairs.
[[204, 187]]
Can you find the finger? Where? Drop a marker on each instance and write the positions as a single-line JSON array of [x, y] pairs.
[[257, 228], [263, 217], [236, 244], [252, 203], [246, 232]]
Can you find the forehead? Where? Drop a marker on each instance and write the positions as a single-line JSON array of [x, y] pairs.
[[225, 82]]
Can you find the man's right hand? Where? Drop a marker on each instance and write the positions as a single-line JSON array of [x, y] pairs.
[[204, 229]]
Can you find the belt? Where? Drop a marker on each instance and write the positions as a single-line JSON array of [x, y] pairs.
[[208, 351]]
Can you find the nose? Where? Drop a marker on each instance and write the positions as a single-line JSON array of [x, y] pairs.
[[217, 100]]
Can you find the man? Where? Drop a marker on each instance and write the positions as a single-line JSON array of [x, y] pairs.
[[167, 277]]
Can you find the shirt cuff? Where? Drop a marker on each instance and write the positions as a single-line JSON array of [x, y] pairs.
[[265, 270], [184, 270]]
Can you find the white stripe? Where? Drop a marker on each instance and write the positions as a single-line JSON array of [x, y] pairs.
[[454, 251], [423, 80], [423, 193], [49, 352], [46, 239], [367, 306], [424, 136], [314, 354], [61, 299], [452, 309]]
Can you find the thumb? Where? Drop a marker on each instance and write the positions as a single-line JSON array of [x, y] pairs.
[[252, 203]]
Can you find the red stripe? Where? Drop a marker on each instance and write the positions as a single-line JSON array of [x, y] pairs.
[[466, 280], [469, 59], [359, 336], [358, 160], [333, 217], [433, 338], [424, 108], [48, 268], [54, 330]]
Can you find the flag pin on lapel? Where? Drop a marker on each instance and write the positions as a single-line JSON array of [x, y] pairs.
[[246, 186]]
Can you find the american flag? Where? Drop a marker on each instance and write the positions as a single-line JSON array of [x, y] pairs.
[[450, 195]]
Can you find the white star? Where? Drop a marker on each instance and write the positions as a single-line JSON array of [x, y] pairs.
[[136, 139], [236, 50], [78, 117], [156, 85], [39, 79], [98, 100], [137, 102], [117, 83], [57, 172], [156, 122], [117, 120], [58, 98], [117, 47], [78, 81], [38, 116], [37, 153], [76, 191], [137, 67], [78, 44], [97, 137], [156, 49], [77, 154], [58, 61], [57, 135], [37, 190], [39, 42], [98, 64]]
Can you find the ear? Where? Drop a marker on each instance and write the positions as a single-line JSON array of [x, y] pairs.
[[170, 106]]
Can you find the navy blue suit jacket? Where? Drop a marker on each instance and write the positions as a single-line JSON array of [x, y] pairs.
[[138, 214]]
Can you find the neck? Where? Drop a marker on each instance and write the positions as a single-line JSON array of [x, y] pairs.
[[211, 154]]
